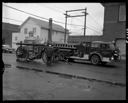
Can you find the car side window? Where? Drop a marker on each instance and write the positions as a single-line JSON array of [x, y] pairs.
[[95, 45], [104, 46]]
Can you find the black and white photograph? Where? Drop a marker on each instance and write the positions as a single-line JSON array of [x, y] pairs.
[[63, 51]]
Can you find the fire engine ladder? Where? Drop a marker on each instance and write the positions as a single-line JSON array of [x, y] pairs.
[[67, 46]]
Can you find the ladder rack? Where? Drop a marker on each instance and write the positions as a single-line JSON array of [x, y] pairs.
[[70, 46]]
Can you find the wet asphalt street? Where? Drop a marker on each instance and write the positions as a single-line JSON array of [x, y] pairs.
[[36, 81]]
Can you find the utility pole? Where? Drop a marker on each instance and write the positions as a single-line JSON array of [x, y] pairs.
[[85, 13], [67, 16], [50, 31], [65, 27]]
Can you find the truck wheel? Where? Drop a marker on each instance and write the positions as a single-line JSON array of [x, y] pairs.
[[95, 59], [21, 54]]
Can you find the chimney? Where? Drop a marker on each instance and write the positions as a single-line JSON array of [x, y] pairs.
[[50, 31]]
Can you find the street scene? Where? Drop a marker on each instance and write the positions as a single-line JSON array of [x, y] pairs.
[[64, 57], [36, 81]]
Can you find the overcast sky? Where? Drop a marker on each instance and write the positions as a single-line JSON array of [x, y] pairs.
[[94, 21]]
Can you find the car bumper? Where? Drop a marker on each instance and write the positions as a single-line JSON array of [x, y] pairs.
[[107, 59]]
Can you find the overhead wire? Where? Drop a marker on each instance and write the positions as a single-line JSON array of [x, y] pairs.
[[25, 12], [95, 21], [52, 9], [90, 25], [45, 18], [37, 16], [12, 19]]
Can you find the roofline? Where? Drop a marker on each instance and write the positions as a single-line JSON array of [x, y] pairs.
[[110, 4], [24, 22], [37, 24]]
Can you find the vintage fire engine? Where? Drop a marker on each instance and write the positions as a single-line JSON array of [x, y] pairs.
[[97, 52]]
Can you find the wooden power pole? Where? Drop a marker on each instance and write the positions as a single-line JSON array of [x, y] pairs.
[[85, 13], [50, 31], [67, 16]]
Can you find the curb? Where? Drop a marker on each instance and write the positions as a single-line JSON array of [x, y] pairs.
[[74, 76]]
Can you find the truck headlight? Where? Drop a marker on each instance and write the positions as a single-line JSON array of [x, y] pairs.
[[112, 58]]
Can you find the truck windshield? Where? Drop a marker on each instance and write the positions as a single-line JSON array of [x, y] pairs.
[[108, 46], [111, 46]]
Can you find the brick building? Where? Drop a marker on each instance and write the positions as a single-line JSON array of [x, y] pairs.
[[114, 24]]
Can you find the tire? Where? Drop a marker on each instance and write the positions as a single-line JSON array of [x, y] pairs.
[[95, 59], [22, 54]]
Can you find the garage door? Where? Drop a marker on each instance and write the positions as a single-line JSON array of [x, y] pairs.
[[121, 44]]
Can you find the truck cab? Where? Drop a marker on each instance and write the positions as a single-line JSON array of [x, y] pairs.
[[98, 52]]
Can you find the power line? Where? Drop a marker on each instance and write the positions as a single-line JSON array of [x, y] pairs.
[[22, 21], [53, 9], [90, 28], [36, 15], [95, 21], [25, 12], [93, 30], [43, 17], [89, 25], [12, 19], [60, 8]]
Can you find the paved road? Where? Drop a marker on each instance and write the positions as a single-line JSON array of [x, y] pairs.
[[23, 84], [113, 72]]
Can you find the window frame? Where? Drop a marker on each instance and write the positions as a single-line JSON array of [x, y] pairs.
[[92, 45], [25, 30], [34, 30], [120, 14], [16, 38]]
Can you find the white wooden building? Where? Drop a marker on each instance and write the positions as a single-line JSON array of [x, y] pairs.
[[38, 29]]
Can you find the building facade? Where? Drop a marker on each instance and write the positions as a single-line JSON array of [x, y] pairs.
[[7, 30], [38, 30], [115, 24]]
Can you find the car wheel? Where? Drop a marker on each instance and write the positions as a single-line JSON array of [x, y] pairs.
[[22, 54], [95, 59]]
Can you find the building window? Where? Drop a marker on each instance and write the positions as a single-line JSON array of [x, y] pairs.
[[30, 34], [95, 45], [122, 13], [3, 41], [34, 30], [25, 31], [16, 38]]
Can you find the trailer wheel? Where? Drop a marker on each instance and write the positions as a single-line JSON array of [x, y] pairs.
[[44, 57], [95, 59], [21, 54]]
